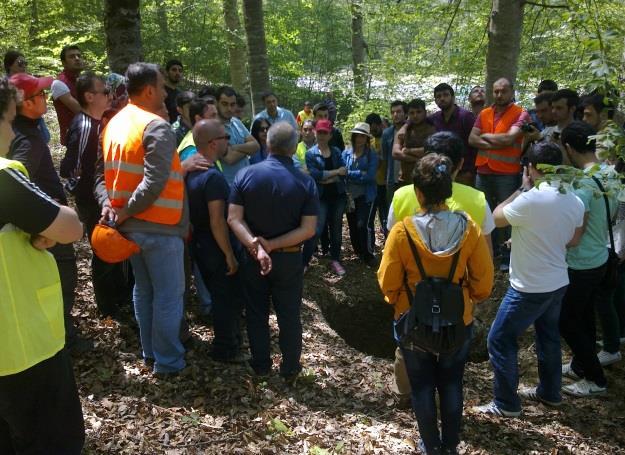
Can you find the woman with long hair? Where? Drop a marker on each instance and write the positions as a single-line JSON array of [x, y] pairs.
[[327, 168], [259, 132], [440, 238]]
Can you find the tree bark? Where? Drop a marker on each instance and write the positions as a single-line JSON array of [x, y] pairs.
[[358, 48], [122, 26], [504, 42], [237, 53], [163, 26], [33, 30], [257, 51]]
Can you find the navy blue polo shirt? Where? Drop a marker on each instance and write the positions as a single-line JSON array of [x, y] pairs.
[[275, 196]]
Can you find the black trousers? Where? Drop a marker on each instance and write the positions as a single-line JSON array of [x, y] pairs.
[[40, 411], [68, 273], [577, 321], [112, 283]]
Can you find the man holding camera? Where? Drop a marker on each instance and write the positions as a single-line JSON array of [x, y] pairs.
[[538, 282], [498, 137]]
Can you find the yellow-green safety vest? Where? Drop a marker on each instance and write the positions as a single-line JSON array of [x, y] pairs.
[[31, 303], [463, 197]]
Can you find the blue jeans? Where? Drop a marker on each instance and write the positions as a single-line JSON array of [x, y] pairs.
[[283, 288], [330, 213], [429, 373], [519, 310], [497, 188], [158, 298]]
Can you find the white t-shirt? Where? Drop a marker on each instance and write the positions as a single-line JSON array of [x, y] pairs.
[[59, 88], [543, 221]]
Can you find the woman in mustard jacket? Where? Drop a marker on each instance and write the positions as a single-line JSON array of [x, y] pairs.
[[438, 234]]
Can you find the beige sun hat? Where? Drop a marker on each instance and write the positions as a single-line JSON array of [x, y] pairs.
[[362, 128]]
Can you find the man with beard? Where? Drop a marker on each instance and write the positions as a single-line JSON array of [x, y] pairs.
[[459, 121], [173, 76], [498, 136], [64, 89], [477, 99]]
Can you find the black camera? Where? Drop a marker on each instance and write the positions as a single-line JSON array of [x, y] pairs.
[[525, 161], [528, 127]]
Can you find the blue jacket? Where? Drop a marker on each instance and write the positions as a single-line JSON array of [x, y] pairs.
[[368, 162], [316, 167]]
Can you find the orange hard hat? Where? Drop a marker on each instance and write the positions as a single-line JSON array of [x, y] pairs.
[[110, 246]]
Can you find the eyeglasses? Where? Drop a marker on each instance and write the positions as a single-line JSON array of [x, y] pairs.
[[322, 132], [21, 62], [104, 91], [225, 136], [41, 94], [264, 128]]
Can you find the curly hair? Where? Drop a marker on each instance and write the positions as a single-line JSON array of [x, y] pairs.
[[433, 177], [7, 94]]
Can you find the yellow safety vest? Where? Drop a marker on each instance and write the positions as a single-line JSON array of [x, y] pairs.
[[463, 197], [31, 304]]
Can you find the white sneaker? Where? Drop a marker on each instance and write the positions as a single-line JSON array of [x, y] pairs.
[[607, 358], [568, 372], [583, 388], [492, 409], [532, 394]]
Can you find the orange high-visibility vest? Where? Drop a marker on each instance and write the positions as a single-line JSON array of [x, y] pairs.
[[504, 160], [122, 148]]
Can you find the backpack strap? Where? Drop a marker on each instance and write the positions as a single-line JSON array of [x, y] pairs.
[[607, 211], [454, 264], [415, 254]]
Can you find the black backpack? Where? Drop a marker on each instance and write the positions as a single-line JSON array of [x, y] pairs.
[[435, 320]]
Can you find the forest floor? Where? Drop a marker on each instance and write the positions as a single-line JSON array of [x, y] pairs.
[[341, 404]]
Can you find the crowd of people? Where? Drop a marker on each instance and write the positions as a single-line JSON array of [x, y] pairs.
[[171, 186]]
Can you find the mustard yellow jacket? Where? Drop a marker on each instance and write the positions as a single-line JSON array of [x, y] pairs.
[[475, 266]]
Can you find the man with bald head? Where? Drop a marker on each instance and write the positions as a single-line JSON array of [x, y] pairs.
[[273, 210], [213, 248], [498, 137]]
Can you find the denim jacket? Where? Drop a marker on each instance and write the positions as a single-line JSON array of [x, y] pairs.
[[367, 162], [316, 167]]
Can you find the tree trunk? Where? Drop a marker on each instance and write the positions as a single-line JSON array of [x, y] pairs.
[[237, 53], [257, 51], [504, 42], [33, 29], [163, 26], [122, 25], [358, 48]]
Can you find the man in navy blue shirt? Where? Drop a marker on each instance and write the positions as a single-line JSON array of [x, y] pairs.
[[273, 210], [212, 247]]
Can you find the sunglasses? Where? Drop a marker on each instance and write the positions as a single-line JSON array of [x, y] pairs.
[[41, 94], [225, 136], [21, 62]]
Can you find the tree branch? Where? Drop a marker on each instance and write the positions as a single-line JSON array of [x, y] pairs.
[[545, 5]]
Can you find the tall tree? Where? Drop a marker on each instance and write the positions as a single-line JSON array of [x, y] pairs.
[[257, 50], [122, 25], [358, 48], [163, 25], [237, 54], [504, 42]]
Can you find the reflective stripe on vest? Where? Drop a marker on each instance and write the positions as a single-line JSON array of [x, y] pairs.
[[463, 198], [124, 153], [506, 159], [31, 303]]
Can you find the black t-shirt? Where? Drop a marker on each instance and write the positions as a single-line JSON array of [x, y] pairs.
[[23, 204], [30, 149], [202, 188], [329, 189], [170, 103]]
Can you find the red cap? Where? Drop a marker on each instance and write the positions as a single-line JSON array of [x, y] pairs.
[[323, 125], [30, 85]]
